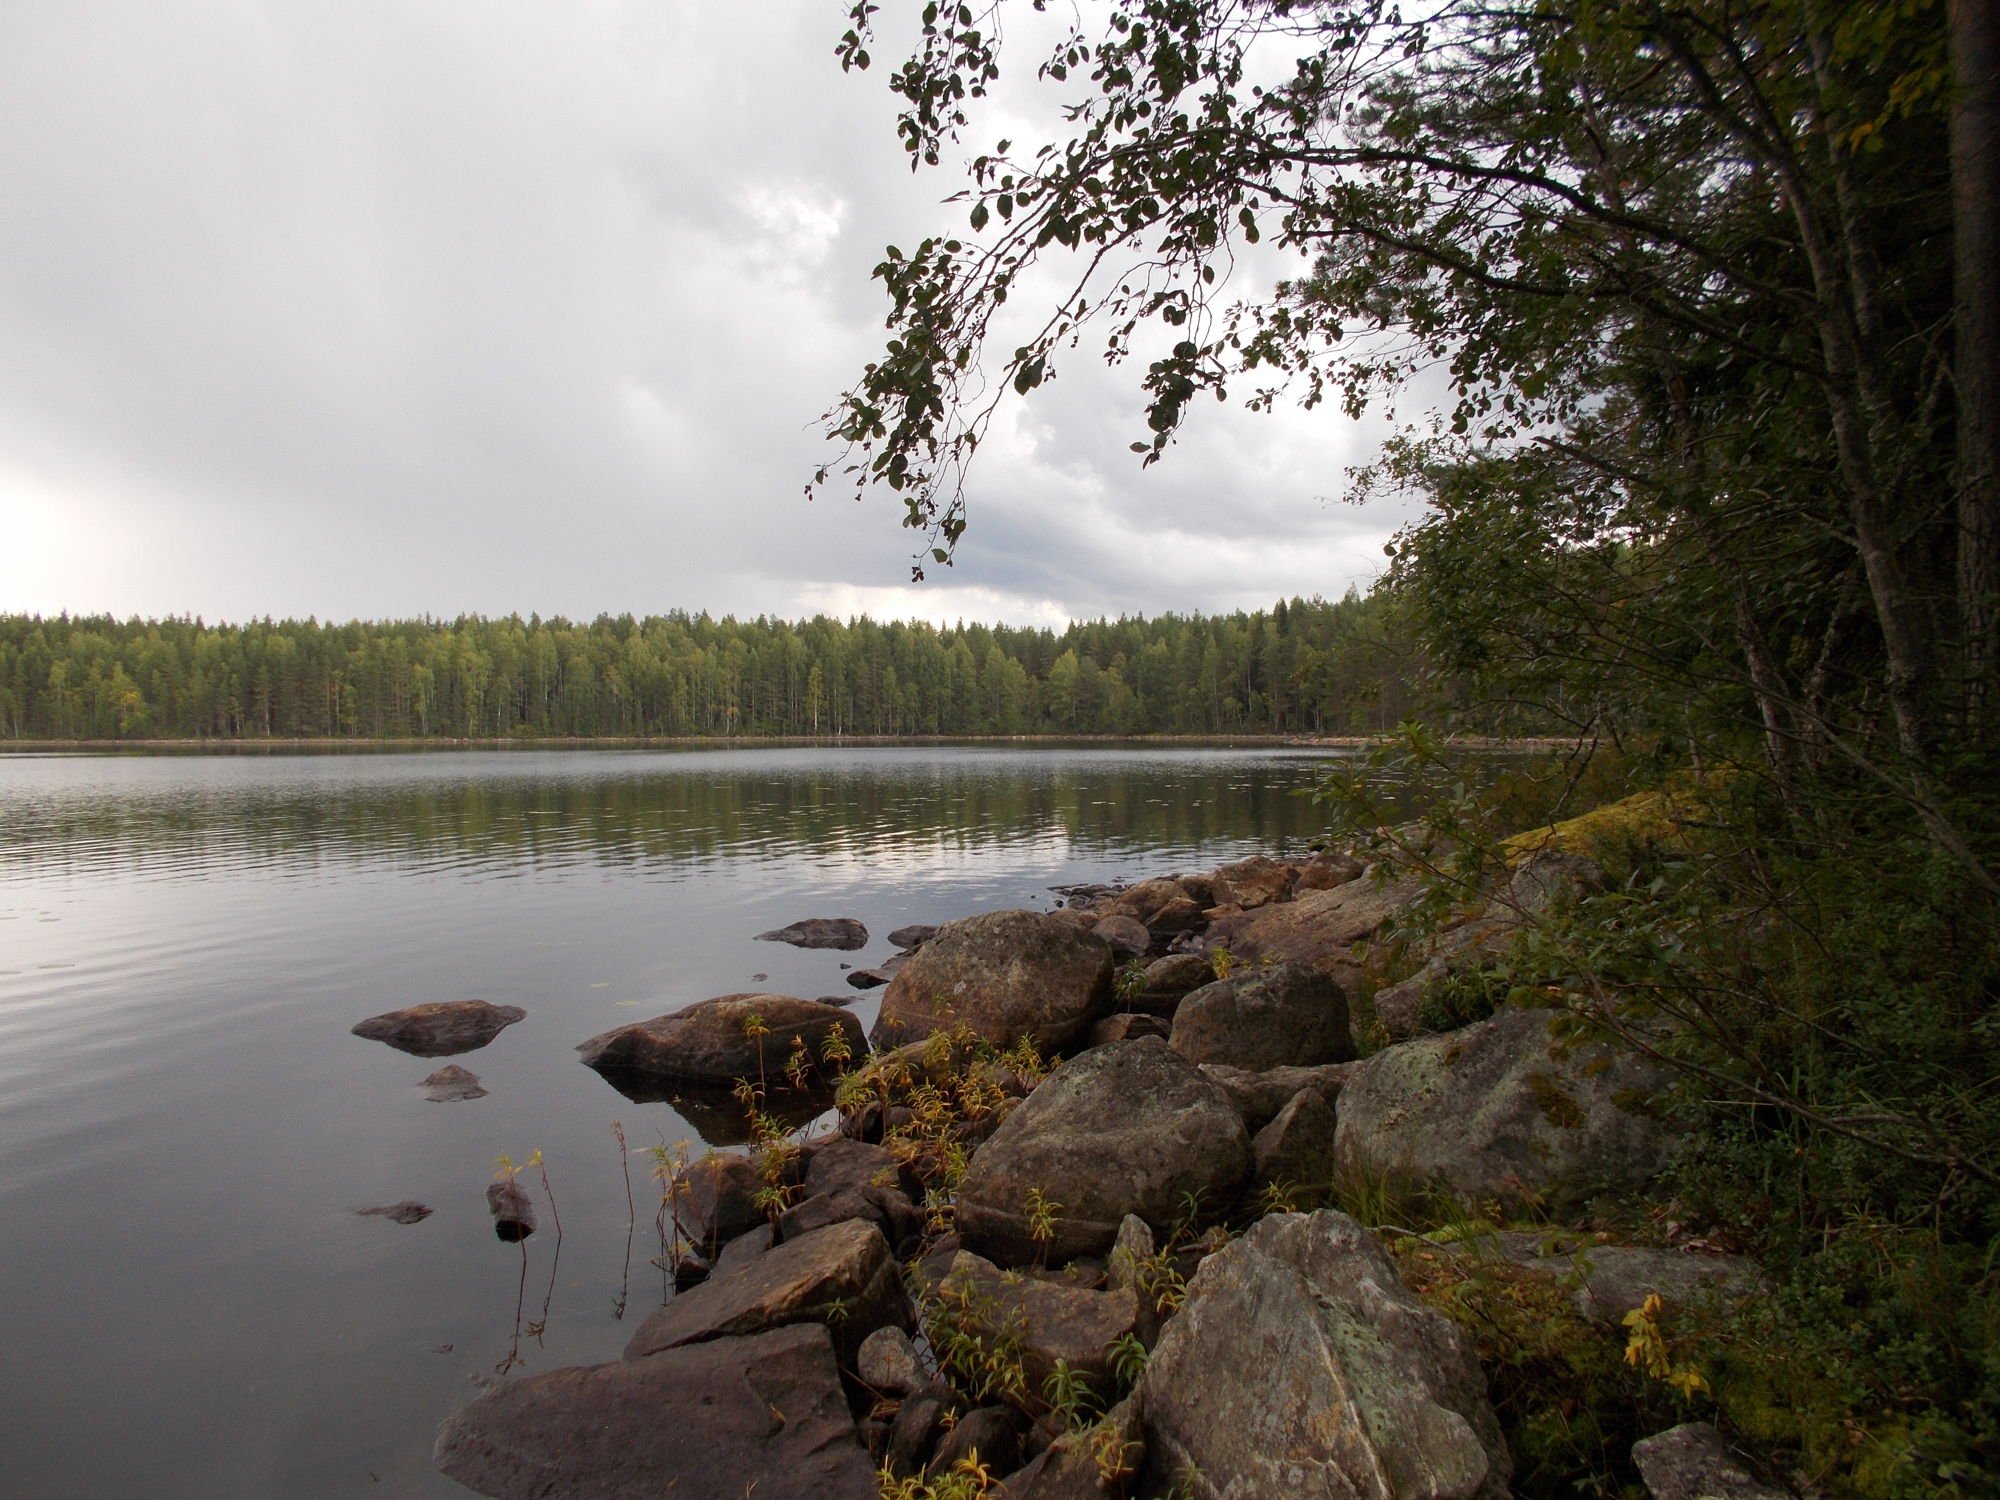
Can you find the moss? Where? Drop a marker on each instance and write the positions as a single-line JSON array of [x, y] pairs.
[[1556, 1106]]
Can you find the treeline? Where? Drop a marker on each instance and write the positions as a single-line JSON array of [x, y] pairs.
[[1304, 666]]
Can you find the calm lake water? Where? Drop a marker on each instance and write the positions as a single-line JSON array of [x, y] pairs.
[[192, 1306]]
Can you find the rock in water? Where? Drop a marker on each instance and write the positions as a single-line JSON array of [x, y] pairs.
[[913, 936], [763, 1415], [842, 933], [1127, 1128], [1502, 1108], [720, 1041], [1007, 975], [1300, 1365], [513, 1211], [443, 1028], [409, 1211], [451, 1083], [1292, 1015]]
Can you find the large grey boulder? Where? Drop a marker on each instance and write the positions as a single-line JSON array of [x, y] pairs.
[[1127, 1128], [843, 1276], [1290, 1015], [1503, 1109], [1691, 1462], [1007, 975], [1300, 1365], [717, 1042], [693, 1421], [1319, 928], [441, 1028]]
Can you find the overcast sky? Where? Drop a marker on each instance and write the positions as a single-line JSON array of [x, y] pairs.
[[395, 307]]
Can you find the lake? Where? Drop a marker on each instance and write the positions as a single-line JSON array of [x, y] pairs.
[[187, 1128]]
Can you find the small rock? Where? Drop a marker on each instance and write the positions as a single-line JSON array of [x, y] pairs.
[[1253, 882], [451, 1083], [913, 936], [887, 1363], [1128, 937], [745, 1248], [875, 978], [842, 933], [719, 1041], [713, 1200], [409, 1211], [1259, 1096], [513, 1211], [1129, 1253], [1691, 1462], [1325, 871], [442, 1028], [914, 1433], [1126, 1025], [992, 1433], [1296, 1149]]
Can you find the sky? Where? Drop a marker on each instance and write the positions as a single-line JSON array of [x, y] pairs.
[[386, 308]]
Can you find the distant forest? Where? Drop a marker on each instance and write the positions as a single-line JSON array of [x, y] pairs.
[[1305, 666]]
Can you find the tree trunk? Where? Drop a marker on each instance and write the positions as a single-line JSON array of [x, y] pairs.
[[1975, 180]]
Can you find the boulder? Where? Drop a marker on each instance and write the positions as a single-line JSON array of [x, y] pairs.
[[1299, 1364], [1291, 1015], [1127, 1128], [1008, 975], [1502, 1110], [992, 1434], [843, 1276], [924, 1416], [1253, 882], [842, 933], [1610, 1281], [1182, 914], [1171, 979], [1127, 936], [1692, 1462], [1296, 1149], [1324, 871], [717, 1042], [1043, 1321], [843, 1165], [442, 1028], [690, 1421], [745, 1248], [1258, 1097], [713, 1200], [1075, 1465], [1125, 1026], [451, 1083], [881, 974], [1319, 928], [1139, 902]]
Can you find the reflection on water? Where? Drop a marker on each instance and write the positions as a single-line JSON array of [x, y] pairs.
[[187, 1129]]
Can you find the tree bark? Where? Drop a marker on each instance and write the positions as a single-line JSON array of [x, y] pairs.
[[1975, 180]]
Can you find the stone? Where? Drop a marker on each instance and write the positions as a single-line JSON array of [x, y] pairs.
[[1008, 975], [1127, 1128], [887, 1362], [442, 1028], [1199, 889], [991, 1435], [1551, 880], [1127, 936], [1253, 882], [1182, 914], [881, 974], [409, 1211], [1043, 1320], [713, 1042], [452, 1083], [913, 936], [1171, 979], [1126, 1025], [1259, 1096], [745, 1248], [512, 1209], [1130, 1251], [1299, 1364], [841, 933], [1610, 1281], [1502, 1110], [1324, 871], [1318, 928], [1073, 1467], [1692, 1462], [1296, 1149], [689, 1422], [1141, 901], [1290, 1015], [843, 1276], [840, 1164], [888, 1209], [713, 1200], [914, 1433]]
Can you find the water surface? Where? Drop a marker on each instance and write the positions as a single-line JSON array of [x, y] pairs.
[[186, 1126]]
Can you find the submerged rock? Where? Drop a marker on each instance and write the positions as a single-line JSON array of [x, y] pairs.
[[441, 1028], [763, 1414], [451, 1083], [1008, 975], [512, 1209], [409, 1211], [1300, 1364], [842, 933]]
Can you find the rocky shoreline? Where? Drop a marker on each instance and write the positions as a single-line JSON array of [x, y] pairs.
[[1070, 1237]]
